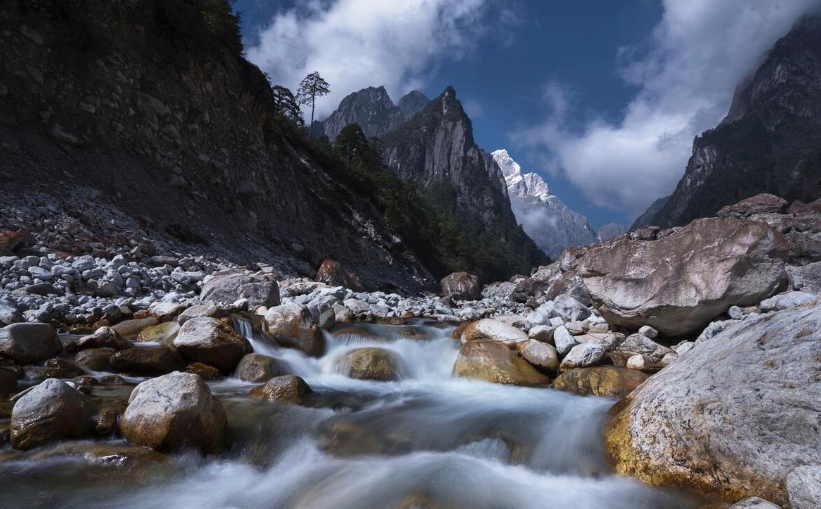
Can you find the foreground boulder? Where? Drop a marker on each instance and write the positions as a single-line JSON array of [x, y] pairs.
[[211, 342], [293, 326], [734, 416], [680, 282], [27, 343], [461, 286], [287, 388], [492, 330], [49, 412], [228, 287], [495, 362], [173, 412], [258, 368], [372, 363], [604, 381]]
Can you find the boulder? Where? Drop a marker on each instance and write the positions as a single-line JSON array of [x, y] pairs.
[[563, 340], [258, 368], [8, 381], [583, 356], [680, 282], [51, 411], [637, 344], [759, 204], [146, 361], [211, 342], [734, 416], [786, 300], [287, 388], [543, 333], [9, 313], [461, 286], [173, 412], [754, 503], [27, 343], [806, 278], [371, 363], [604, 381], [569, 284], [95, 359], [541, 355], [322, 311], [570, 309], [228, 287], [104, 337], [292, 325], [159, 333], [492, 330], [165, 311], [130, 328], [495, 362], [804, 487], [207, 309], [332, 273]]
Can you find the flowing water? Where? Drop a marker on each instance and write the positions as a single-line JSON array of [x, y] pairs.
[[427, 442]]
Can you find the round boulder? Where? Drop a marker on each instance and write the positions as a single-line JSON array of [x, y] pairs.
[[461, 286], [495, 362], [604, 381], [371, 363], [492, 330], [27, 343], [104, 337], [228, 287], [173, 412], [539, 354], [292, 325], [287, 388], [51, 411], [582, 356], [211, 342], [95, 359], [257, 368], [146, 361]]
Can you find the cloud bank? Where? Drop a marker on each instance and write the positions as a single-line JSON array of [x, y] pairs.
[[699, 52], [359, 43]]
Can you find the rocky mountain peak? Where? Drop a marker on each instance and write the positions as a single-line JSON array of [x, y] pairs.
[[370, 107], [518, 183], [412, 103]]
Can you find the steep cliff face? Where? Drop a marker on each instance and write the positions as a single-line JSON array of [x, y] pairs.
[[769, 141], [550, 223], [125, 100], [649, 215], [374, 111]]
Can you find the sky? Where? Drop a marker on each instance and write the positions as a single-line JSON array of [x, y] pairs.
[[601, 97]]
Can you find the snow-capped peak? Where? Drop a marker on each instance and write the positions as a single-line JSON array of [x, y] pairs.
[[519, 184]]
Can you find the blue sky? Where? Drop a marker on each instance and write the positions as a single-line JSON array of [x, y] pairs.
[[601, 97]]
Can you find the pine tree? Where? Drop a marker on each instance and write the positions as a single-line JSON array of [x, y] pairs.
[[286, 106], [312, 86]]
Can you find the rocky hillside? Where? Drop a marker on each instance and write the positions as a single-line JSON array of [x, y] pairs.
[[649, 215], [374, 111], [769, 141], [153, 112], [610, 230], [551, 224]]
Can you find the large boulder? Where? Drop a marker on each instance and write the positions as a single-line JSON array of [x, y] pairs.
[[172, 412], [211, 342], [804, 487], [759, 204], [492, 330], [734, 416], [461, 286], [496, 362], [332, 273], [286, 388], [258, 368], [228, 287], [582, 356], [146, 360], [95, 359], [51, 411], [680, 282], [541, 355], [27, 343], [604, 381], [292, 325], [371, 363], [104, 337]]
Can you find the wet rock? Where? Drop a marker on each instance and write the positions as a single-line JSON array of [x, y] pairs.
[[651, 282], [292, 325], [27, 343], [173, 412], [258, 368], [332, 273], [95, 359], [730, 417], [208, 309], [541, 355], [51, 411], [8, 381], [165, 311], [104, 337], [804, 487], [582, 356], [461, 286], [130, 328], [204, 371], [211, 342], [371, 363], [121, 455], [287, 388], [493, 330], [495, 362], [228, 287], [604, 381], [159, 333], [146, 361]]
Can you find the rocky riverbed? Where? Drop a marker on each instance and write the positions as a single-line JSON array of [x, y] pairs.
[[143, 364]]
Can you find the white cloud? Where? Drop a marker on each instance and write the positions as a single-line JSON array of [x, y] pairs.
[[473, 109], [700, 50], [359, 43]]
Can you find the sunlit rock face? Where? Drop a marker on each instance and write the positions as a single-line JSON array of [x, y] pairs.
[[548, 221]]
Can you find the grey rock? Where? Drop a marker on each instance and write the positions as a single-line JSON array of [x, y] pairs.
[[228, 287], [563, 340], [570, 309], [754, 503], [211, 342], [26, 343], [648, 332], [786, 300], [804, 487], [259, 368], [49, 412], [582, 356], [292, 325]]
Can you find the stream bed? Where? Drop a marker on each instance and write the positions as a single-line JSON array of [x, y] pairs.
[[429, 441]]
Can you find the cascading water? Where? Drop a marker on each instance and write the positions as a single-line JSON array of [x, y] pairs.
[[427, 442]]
